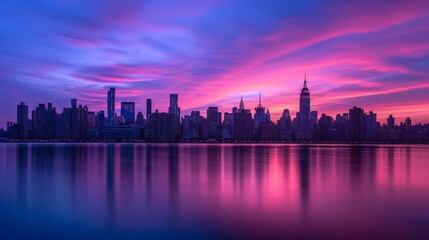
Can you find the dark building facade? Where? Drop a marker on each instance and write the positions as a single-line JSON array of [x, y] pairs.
[[162, 127], [128, 112], [111, 107], [356, 124], [284, 125], [214, 123], [370, 125], [260, 114], [243, 124], [174, 111], [22, 120], [193, 126], [148, 110], [304, 130]]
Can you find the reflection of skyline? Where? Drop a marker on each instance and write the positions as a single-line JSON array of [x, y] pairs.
[[133, 181], [304, 175], [44, 161]]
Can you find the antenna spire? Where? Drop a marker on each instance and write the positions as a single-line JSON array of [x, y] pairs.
[[305, 80], [241, 102]]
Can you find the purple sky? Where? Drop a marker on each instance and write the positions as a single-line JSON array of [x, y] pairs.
[[373, 54]]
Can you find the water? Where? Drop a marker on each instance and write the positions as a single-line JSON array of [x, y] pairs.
[[163, 191]]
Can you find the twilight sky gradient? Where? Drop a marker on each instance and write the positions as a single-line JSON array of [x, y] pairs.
[[369, 53]]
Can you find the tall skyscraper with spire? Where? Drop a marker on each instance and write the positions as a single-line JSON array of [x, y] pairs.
[[241, 107], [242, 122], [304, 111], [260, 114], [111, 107]]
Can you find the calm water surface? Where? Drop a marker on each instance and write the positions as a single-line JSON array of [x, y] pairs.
[[135, 191]]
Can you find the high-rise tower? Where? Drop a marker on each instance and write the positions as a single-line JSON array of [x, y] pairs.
[[174, 111], [128, 112], [148, 109], [174, 104], [22, 120], [304, 111], [260, 114], [111, 107]]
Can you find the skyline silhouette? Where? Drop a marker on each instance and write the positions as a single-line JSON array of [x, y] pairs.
[[78, 122]]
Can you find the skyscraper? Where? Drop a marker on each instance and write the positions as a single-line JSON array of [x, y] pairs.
[[174, 104], [390, 122], [284, 125], [51, 122], [243, 124], [83, 121], [260, 115], [370, 125], [100, 124], [213, 121], [74, 103], [22, 120], [304, 111], [227, 126], [193, 126], [356, 124], [174, 110], [111, 107], [148, 110], [128, 112], [140, 119], [39, 121], [75, 124]]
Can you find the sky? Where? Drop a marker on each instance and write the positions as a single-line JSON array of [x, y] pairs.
[[368, 53]]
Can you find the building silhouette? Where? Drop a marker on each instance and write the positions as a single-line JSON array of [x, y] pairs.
[[77, 123], [22, 120], [140, 119], [304, 130], [128, 112], [111, 107], [174, 111], [39, 121], [214, 123], [259, 117], [227, 126], [284, 125], [356, 124], [193, 126], [162, 127], [390, 122], [243, 124], [370, 125], [148, 110], [100, 124]]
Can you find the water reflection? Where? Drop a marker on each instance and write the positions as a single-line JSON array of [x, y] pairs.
[[195, 191], [304, 175]]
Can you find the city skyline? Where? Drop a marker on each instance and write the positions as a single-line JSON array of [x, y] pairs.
[[79, 123], [368, 54], [173, 101]]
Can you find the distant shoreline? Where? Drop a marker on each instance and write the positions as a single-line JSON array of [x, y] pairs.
[[232, 143]]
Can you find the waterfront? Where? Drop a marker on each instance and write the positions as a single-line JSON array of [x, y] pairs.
[[108, 190]]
